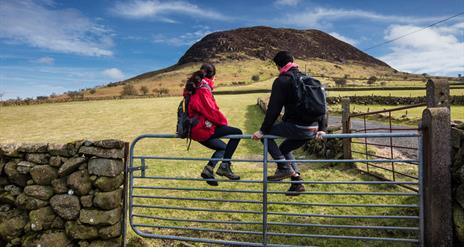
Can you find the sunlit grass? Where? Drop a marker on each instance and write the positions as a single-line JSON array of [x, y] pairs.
[[126, 119]]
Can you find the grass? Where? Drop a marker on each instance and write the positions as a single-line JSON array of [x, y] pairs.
[[395, 93], [126, 119]]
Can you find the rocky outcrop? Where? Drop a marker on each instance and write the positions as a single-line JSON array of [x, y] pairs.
[[61, 195]]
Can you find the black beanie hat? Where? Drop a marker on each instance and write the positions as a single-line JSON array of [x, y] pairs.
[[282, 58]]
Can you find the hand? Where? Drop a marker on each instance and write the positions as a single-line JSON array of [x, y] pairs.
[[319, 135], [257, 135]]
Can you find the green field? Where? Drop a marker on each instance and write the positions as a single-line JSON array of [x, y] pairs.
[[126, 119]]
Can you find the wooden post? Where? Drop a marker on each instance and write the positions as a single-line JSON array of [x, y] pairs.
[[346, 127], [438, 228]]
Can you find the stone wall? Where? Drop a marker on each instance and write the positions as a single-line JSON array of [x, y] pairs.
[[457, 157], [58, 195], [390, 100]]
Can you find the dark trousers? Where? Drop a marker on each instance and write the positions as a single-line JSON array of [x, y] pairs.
[[222, 150], [295, 136]]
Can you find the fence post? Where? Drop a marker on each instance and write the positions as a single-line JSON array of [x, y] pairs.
[[346, 128], [438, 230]]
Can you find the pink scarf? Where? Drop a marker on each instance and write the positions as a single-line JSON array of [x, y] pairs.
[[287, 67]]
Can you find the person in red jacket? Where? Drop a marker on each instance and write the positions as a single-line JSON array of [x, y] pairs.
[[211, 123]]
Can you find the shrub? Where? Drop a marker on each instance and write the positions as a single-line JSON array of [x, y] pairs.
[[92, 91], [255, 78], [144, 90], [340, 81], [75, 94], [371, 80], [129, 89]]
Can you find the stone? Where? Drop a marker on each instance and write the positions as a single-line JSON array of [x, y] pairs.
[[13, 175], [12, 224], [108, 200], [10, 150], [80, 182], [7, 198], [66, 206], [86, 201], [110, 231], [102, 152], [70, 166], [39, 158], [106, 243], [39, 191], [109, 143], [43, 174], [458, 219], [24, 167], [100, 217], [42, 219], [105, 167], [33, 148], [31, 239], [30, 182], [13, 189], [460, 195], [83, 243], [59, 185], [456, 136], [29, 203], [2, 164], [56, 161], [65, 150], [54, 239], [109, 183], [81, 232]]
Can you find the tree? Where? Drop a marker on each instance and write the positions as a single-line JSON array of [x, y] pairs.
[[255, 78], [371, 80], [75, 94], [144, 90], [129, 89], [92, 91]]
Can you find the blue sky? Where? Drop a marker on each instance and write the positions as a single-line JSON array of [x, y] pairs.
[[55, 46]]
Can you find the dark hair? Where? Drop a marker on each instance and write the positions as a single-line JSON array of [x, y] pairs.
[[282, 58], [209, 69]]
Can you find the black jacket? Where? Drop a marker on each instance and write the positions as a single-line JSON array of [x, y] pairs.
[[284, 95]]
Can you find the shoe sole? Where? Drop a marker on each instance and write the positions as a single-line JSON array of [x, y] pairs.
[[231, 178], [210, 182], [294, 193], [273, 178]]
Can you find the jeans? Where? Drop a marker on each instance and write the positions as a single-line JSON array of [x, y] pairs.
[[222, 150], [295, 136]]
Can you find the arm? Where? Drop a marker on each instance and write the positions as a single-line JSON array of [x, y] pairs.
[[276, 102], [208, 108], [322, 123]]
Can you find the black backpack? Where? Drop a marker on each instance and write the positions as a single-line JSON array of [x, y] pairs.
[[311, 96], [184, 122]]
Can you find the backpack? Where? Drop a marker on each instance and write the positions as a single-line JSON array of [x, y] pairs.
[[311, 96], [184, 122]]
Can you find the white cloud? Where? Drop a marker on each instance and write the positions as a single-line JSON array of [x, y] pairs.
[[437, 50], [287, 2], [157, 10], [46, 60], [318, 16], [113, 73], [184, 39], [344, 39], [39, 24]]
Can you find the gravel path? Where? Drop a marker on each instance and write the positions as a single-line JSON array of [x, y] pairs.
[[358, 124]]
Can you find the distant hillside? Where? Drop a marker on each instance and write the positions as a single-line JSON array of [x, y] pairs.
[[264, 42]]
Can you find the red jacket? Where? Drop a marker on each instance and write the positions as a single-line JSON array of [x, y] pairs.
[[203, 106]]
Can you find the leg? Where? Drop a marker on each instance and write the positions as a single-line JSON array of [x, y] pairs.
[[219, 146], [225, 167], [287, 147]]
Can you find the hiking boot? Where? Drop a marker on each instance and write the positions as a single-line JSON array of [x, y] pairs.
[[296, 188], [207, 173], [225, 170], [282, 173]]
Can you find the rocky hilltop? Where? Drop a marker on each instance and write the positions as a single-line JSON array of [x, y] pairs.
[[263, 43]]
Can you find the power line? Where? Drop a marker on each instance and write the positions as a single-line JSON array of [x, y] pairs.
[[415, 31]]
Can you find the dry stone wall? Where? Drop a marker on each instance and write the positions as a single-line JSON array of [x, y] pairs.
[[58, 195], [457, 157]]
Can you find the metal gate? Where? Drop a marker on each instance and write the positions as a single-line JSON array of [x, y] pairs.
[[166, 201]]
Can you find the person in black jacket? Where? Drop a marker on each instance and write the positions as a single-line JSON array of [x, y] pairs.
[[297, 128]]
